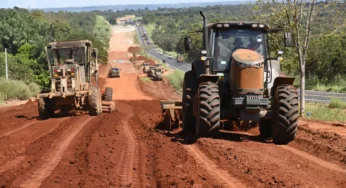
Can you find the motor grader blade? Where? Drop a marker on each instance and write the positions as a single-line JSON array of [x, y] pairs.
[[171, 113], [108, 106]]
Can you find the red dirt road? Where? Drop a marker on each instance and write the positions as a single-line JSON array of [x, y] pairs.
[[127, 148]]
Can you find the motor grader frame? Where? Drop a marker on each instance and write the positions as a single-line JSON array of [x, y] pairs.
[[73, 70], [235, 81]]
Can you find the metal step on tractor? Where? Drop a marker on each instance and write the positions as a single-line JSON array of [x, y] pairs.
[[235, 79], [73, 70]]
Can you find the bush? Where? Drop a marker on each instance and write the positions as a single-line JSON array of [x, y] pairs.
[[15, 89], [2, 97], [337, 103]]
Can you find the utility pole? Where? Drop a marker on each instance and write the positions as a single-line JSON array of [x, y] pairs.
[[6, 66]]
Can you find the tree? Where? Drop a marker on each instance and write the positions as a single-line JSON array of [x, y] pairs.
[[134, 51], [305, 19]]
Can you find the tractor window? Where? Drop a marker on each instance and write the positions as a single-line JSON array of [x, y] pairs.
[[70, 55], [227, 41]]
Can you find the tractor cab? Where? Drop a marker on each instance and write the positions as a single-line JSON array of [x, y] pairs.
[[225, 41]]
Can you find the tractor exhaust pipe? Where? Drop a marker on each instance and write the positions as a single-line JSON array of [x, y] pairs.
[[205, 43]]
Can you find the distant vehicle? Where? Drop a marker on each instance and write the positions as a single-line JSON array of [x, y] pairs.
[[114, 72], [170, 57], [180, 58], [146, 67]]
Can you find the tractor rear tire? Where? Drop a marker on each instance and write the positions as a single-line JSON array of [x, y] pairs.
[[108, 94], [285, 111], [95, 102], [208, 111], [45, 109], [190, 86], [265, 128]]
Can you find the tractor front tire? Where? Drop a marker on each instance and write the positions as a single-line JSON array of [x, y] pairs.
[[190, 86], [45, 109], [95, 102], [208, 111], [108, 94], [285, 114]]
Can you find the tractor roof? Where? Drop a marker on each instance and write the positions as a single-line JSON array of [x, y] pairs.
[[242, 24], [70, 44]]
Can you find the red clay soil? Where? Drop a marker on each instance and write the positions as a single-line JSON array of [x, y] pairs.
[[128, 148]]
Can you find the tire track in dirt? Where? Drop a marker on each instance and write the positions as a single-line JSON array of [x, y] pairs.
[[163, 94], [18, 148], [307, 156], [127, 173], [52, 158], [18, 129], [314, 159], [11, 164], [221, 176]]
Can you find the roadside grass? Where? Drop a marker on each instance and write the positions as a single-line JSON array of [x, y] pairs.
[[338, 85], [102, 29], [15, 89], [135, 38], [334, 111], [176, 79], [2, 98], [145, 79], [337, 103]]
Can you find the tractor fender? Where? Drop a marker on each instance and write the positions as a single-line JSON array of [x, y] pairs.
[[281, 80], [198, 68]]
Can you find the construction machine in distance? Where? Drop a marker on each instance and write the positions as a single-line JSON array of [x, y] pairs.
[[236, 80], [146, 67], [114, 72], [155, 72], [73, 71]]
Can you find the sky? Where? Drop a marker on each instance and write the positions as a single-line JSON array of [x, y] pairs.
[[77, 3]]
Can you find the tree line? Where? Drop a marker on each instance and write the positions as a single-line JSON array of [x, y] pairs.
[[325, 59], [26, 33]]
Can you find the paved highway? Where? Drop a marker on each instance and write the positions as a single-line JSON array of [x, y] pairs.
[[310, 96], [152, 51]]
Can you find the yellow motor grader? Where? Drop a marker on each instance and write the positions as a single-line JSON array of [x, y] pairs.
[[72, 65]]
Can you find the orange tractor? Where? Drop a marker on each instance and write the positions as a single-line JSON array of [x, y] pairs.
[[235, 79]]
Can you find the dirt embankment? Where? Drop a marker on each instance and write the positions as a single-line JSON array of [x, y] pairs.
[[127, 149]]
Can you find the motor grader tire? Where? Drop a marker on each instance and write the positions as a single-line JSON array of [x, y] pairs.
[[108, 94], [265, 128], [208, 113], [95, 102], [45, 109], [190, 86], [285, 114]]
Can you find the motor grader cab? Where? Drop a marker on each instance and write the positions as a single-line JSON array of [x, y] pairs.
[[73, 70], [236, 79], [146, 67]]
